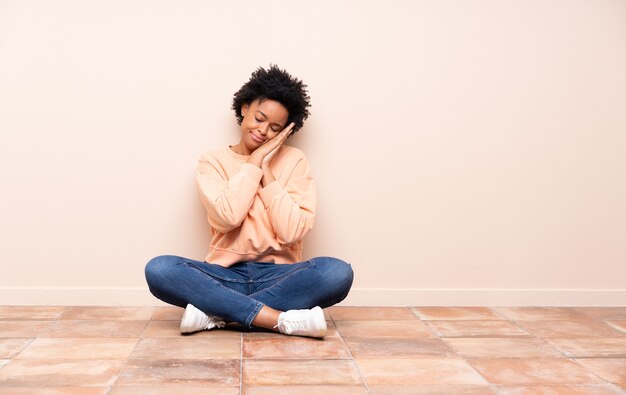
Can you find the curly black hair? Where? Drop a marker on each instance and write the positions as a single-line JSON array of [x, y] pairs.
[[279, 85]]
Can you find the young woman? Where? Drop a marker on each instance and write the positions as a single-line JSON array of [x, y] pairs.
[[260, 201]]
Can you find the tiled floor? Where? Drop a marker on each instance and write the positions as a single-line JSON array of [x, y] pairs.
[[369, 350]]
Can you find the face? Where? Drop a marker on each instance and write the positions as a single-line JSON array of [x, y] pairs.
[[262, 121]]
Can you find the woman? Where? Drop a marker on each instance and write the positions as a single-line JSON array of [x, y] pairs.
[[260, 201]]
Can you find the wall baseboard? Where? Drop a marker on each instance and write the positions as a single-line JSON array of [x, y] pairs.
[[140, 296]]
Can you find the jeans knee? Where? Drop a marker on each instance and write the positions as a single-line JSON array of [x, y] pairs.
[[156, 269], [336, 273]]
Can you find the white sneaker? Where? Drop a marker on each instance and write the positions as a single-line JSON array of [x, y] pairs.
[[195, 320], [303, 322]]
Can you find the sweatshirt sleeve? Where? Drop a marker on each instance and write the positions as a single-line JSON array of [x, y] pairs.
[[227, 202], [291, 209]]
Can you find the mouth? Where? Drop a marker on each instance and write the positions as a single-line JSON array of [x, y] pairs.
[[256, 138]]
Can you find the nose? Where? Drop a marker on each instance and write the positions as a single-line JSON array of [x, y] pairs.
[[263, 129]]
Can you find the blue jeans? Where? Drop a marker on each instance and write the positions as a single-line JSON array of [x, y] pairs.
[[237, 293]]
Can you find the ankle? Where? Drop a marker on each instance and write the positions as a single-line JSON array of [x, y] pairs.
[[266, 318]]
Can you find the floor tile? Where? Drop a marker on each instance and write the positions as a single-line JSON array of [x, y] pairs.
[[619, 325], [441, 389], [569, 328], [424, 371], [476, 329], [52, 373], [384, 329], [539, 313], [172, 329], [108, 313], [307, 390], [348, 313], [292, 347], [187, 348], [78, 348], [176, 390], [591, 347], [456, 313], [80, 328], [611, 369], [24, 328], [398, 348], [10, 347], [605, 389], [300, 372], [168, 313], [500, 347], [512, 371], [55, 390], [180, 373], [31, 313], [604, 313]]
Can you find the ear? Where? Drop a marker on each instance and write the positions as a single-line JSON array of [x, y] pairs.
[[244, 109]]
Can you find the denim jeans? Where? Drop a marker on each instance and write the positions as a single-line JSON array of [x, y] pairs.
[[237, 293]]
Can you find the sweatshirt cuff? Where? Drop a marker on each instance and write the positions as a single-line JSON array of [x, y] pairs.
[[270, 191]]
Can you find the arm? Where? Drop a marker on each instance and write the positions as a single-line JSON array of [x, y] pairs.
[[227, 202], [291, 209]]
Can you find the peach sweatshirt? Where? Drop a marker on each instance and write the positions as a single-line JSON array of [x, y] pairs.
[[249, 222]]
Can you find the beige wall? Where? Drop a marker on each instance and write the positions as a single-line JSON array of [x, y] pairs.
[[465, 152]]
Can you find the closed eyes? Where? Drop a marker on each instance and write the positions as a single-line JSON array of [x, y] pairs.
[[275, 129]]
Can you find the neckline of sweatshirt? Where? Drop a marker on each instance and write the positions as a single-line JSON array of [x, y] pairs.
[[235, 155]]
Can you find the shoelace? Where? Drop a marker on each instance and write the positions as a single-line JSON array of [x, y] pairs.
[[280, 322], [215, 322], [292, 326]]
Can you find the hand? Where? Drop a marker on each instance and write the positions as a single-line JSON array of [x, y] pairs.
[[268, 158], [263, 155]]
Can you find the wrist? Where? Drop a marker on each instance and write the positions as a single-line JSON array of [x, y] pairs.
[[255, 161]]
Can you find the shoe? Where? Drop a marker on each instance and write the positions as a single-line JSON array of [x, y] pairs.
[[305, 322], [195, 320]]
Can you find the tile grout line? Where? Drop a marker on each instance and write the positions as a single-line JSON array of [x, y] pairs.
[[117, 376], [619, 331], [516, 323], [145, 327], [491, 385], [240, 363], [108, 390], [358, 368], [572, 358], [25, 346], [30, 341]]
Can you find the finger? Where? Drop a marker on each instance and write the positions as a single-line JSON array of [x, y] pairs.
[[277, 142], [273, 143], [280, 138], [289, 128]]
